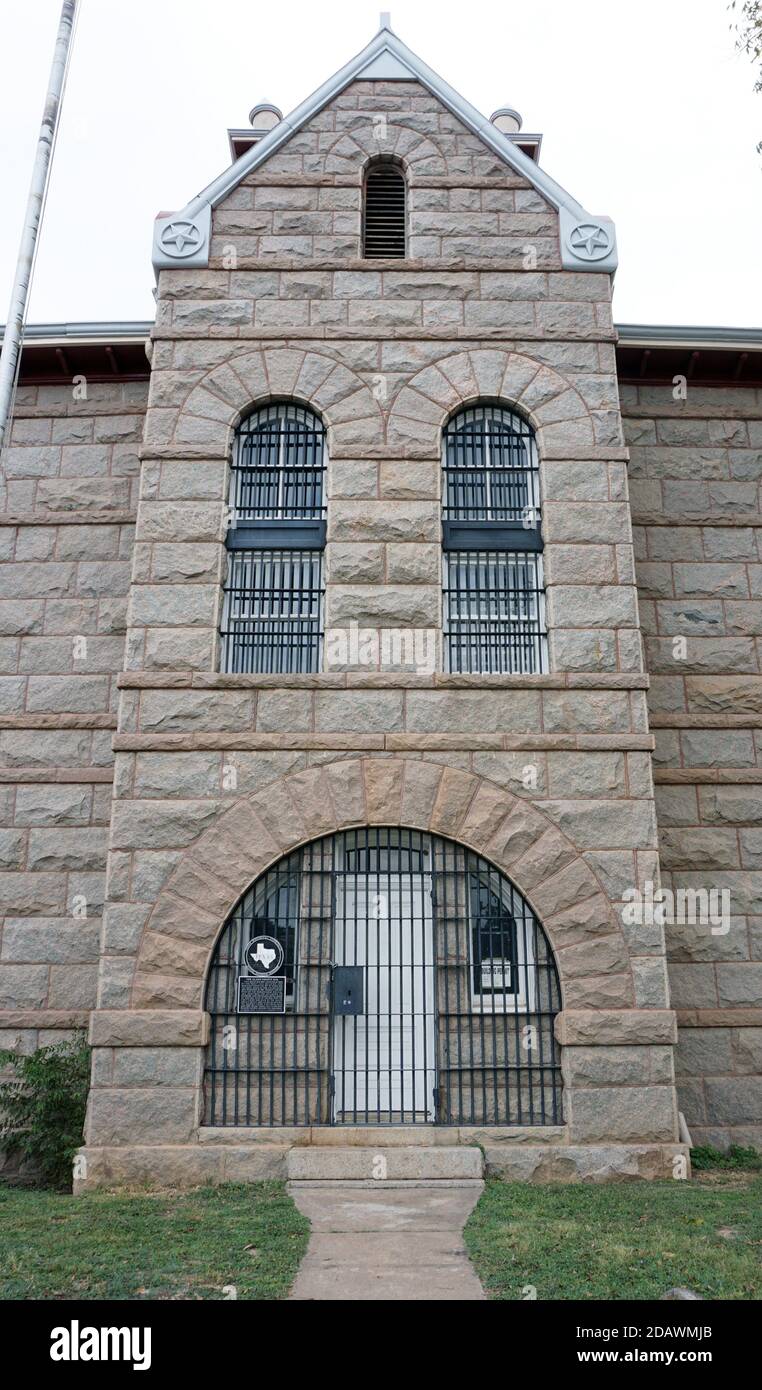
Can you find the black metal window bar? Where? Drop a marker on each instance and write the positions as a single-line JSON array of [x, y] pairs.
[[273, 595], [455, 992], [494, 612], [273, 611], [278, 466], [493, 593], [384, 211]]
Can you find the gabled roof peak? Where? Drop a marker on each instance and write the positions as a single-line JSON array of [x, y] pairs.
[[587, 242]]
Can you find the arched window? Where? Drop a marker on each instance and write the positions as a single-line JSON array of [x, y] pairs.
[[382, 976], [494, 602], [273, 601], [384, 215]]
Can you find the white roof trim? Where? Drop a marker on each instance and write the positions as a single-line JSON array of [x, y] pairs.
[[385, 57]]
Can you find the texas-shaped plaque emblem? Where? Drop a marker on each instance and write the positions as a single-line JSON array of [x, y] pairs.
[[264, 955]]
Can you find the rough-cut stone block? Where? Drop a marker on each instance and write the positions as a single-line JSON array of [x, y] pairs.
[[603, 1028], [168, 956], [187, 921], [23, 986], [166, 1166], [734, 1102], [593, 824], [584, 1162], [149, 1116], [483, 711], [514, 835], [485, 810], [149, 1028], [453, 797], [52, 940], [421, 782], [348, 792], [65, 848], [151, 990], [376, 521], [613, 1066], [144, 825], [583, 921], [383, 790], [603, 956], [361, 711], [622, 1114], [409, 1163], [547, 872]]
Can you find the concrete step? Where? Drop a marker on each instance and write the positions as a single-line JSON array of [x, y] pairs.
[[406, 1164], [398, 1184], [427, 1136]]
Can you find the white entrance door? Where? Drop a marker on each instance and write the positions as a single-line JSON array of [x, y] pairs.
[[384, 1062]]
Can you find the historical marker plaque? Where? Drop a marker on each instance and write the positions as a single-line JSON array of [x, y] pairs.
[[261, 994], [264, 955]]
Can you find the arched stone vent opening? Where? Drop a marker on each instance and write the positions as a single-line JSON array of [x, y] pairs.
[[384, 211]]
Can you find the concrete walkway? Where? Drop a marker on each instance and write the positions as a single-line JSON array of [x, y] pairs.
[[373, 1241]]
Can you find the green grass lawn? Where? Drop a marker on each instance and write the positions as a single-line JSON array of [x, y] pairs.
[[168, 1246], [620, 1240], [626, 1240]]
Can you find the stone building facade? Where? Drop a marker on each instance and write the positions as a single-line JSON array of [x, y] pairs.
[[146, 788]]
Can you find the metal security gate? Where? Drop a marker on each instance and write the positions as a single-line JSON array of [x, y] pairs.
[[416, 987], [384, 1054]]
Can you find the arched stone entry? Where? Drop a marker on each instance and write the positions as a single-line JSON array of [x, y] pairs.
[[584, 932], [619, 1110], [382, 976]]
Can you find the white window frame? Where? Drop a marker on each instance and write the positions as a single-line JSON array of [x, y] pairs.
[[523, 999]]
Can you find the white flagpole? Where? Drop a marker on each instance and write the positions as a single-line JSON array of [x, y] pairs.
[[14, 328]]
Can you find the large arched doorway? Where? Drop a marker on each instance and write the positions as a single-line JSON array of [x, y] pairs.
[[382, 976]]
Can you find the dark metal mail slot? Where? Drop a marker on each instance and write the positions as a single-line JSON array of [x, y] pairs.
[[490, 535], [348, 989], [277, 535], [261, 994]]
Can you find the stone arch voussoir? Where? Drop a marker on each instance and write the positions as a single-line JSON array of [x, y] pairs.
[[545, 396], [364, 140], [583, 928], [229, 391]]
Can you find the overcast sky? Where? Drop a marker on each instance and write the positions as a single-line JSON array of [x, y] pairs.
[[647, 113]]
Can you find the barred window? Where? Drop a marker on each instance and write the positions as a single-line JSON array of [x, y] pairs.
[[494, 611], [273, 599], [272, 621], [384, 211], [494, 603], [502, 948], [277, 468], [491, 468]]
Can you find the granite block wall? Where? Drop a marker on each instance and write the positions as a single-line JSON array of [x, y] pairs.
[[69, 494], [695, 476]]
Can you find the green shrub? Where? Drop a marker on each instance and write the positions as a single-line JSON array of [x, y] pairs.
[[42, 1108], [705, 1157]]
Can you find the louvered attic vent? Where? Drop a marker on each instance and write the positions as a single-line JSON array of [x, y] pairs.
[[384, 224]]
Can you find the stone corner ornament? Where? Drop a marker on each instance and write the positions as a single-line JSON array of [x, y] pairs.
[[180, 240], [587, 243]]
